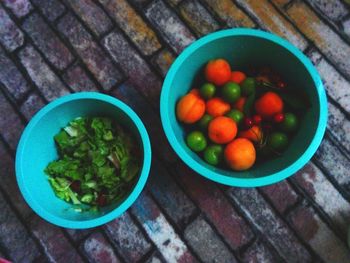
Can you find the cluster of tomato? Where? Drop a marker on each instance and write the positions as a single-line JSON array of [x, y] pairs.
[[229, 120]]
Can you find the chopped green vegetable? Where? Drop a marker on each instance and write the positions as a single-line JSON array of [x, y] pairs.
[[95, 166]]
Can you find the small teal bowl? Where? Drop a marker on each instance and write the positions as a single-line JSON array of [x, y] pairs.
[[37, 148], [243, 48]]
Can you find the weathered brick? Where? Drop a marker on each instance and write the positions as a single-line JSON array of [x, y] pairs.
[[281, 3], [31, 105], [47, 41], [317, 186], [139, 3], [173, 3], [79, 234], [92, 15], [150, 118], [55, 244], [50, 8], [10, 35], [259, 212], [128, 238], [9, 183], [163, 61], [169, 196], [337, 86], [317, 234], [216, 207], [139, 73], [205, 242], [11, 77], [335, 10], [268, 17], [19, 7], [258, 252], [44, 78], [155, 258], [163, 235], [92, 55], [230, 13], [98, 249], [281, 195], [198, 17], [335, 162], [321, 35], [133, 25], [77, 79], [11, 126], [346, 27], [14, 238], [174, 32], [339, 126]]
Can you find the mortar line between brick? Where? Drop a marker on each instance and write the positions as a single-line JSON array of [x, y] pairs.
[[221, 22], [311, 43], [19, 22], [257, 233], [312, 252], [155, 29], [101, 230], [183, 3], [280, 217], [328, 21], [201, 213], [74, 245], [45, 60], [99, 39], [23, 221], [178, 231], [319, 211], [139, 226], [13, 104], [70, 47], [116, 27]]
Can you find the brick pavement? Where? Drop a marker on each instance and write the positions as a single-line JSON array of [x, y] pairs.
[[49, 48]]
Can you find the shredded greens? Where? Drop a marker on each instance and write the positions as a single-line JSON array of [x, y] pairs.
[[97, 165]]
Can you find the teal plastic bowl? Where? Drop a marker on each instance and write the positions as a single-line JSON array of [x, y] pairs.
[[37, 148], [243, 48]]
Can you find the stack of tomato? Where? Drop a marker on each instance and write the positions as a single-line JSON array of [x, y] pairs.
[[233, 117]]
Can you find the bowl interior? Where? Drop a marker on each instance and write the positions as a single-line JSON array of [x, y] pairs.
[[242, 51], [39, 149]]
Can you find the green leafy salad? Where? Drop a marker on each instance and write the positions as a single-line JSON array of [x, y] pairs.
[[97, 165]]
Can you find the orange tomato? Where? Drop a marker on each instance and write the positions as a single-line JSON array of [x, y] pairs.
[[239, 104], [218, 71], [217, 107], [190, 108], [268, 105], [237, 77], [222, 130], [194, 92], [254, 134], [240, 154]]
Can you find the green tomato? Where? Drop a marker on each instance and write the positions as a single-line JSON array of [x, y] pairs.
[[231, 92], [207, 91], [290, 123], [278, 141], [196, 141], [213, 154], [204, 121], [248, 86], [235, 115]]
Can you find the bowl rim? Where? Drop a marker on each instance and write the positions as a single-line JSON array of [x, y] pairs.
[[234, 181], [126, 203]]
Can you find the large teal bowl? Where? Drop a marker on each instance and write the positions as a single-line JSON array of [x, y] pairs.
[[242, 48], [37, 148]]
